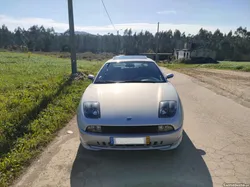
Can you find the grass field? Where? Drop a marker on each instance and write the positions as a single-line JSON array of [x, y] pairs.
[[227, 65], [37, 98]]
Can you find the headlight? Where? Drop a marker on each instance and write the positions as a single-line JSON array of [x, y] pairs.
[[165, 128], [91, 109], [167, 109], [94, 128]]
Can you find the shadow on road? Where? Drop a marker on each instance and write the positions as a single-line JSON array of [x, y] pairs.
[[181, 167]]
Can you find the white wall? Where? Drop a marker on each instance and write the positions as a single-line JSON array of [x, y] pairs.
[[181, 54]]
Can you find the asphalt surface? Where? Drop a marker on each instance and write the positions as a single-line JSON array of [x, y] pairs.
[[215, 150]]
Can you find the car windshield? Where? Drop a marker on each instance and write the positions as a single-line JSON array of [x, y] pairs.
[[133, 72]]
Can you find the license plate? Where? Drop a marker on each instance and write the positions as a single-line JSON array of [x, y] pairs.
[[129, 141]]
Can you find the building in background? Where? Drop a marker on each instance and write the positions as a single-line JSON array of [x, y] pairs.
[[182, 53], [189, 53]]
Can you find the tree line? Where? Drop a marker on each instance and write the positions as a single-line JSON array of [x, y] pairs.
[[230, 46]]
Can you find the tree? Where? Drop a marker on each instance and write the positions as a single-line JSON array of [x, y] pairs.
[[5, 37], [231, 46]]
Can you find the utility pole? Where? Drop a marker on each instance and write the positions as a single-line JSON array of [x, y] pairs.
[[118, 42], [72, 37], [157, 44]]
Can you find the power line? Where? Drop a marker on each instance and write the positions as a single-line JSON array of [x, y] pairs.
[[108, 15]]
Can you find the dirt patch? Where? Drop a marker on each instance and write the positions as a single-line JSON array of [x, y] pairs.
[[232, 84]]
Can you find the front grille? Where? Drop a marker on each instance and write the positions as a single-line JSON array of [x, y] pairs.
[[109, 146], [150, 143], [129, 129]]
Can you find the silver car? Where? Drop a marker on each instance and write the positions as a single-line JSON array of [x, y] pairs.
[[130, 105]]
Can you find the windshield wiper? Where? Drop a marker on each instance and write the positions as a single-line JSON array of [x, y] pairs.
[[134, 81], [105, 82]]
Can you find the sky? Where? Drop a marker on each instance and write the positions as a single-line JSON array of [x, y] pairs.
[[89, 15]]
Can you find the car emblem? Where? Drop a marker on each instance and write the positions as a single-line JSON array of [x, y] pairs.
[[129, 118]]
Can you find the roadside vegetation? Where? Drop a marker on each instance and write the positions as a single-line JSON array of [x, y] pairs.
[[37, 98], [226, 65], [80, 56]]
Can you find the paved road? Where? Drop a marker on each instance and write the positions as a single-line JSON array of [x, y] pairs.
[[215, 149]]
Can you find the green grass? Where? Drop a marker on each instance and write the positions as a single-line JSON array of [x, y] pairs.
[[227, 65], [37, 98]]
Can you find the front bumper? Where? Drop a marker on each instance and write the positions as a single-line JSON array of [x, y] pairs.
[[166, 141]]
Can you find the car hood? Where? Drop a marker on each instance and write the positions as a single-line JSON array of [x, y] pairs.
[[136, 100]]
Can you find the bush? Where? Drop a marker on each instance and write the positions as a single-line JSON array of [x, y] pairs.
[[203, 60], [182, 61], [198, 60], [3, 50]]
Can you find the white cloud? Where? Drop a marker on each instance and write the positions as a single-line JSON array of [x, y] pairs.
[[13, 23], [167, 12]]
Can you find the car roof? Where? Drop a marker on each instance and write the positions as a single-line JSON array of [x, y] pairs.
[[129, 58]]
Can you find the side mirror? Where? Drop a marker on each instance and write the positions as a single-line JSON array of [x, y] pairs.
[[169, 76], [91, 77]]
